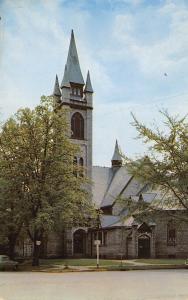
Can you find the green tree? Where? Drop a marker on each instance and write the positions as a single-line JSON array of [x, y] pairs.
[[166, 164], [42, 158], [11, 192]]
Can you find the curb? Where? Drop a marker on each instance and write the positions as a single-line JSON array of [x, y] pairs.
[[151, 267], [125, 268]]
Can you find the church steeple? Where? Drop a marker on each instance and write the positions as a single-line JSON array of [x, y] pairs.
[[80, 104], [117, 158], [72, 72], [88, 87]]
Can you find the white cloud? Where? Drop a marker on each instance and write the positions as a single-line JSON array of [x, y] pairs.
[[36, 49], [111, 122], [130, 2], [35, 43], [124, 28], [165, 53], [26, 50]]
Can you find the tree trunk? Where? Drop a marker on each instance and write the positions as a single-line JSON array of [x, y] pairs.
[[11, 245], [36, 253], [36, 249]]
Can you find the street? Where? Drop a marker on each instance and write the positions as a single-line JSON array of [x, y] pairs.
[[128, 285]]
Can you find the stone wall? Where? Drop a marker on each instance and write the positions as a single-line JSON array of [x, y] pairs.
[[180, 248], [115, 244], [55, 245], [123, 242]]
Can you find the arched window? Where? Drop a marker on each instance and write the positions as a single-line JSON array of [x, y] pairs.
[[79, 241], [77, 126], [81, 165], [81, 162], [76, 90]]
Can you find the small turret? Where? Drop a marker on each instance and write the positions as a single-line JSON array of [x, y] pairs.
[[57, 92], [117, 158], [88, 87], [88, 91]]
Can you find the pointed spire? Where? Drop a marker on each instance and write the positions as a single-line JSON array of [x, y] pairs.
[[56, 91], [73, 72], [88, 86], [117, 158], [65, 81]]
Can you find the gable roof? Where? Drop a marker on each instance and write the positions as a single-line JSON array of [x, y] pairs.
[[108, 184], [101, 178], [108, 220], [120, 178], [126, 222]]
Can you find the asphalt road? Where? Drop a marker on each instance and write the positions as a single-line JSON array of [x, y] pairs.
[[128, 285]]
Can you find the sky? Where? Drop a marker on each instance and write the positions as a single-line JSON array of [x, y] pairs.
[[136, 51]]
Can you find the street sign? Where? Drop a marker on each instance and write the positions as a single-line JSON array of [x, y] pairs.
[[97, 242]]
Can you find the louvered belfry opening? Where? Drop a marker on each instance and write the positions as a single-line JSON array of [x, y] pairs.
[[77, 126]]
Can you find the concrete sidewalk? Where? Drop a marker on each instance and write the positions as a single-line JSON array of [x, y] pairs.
[[124, 267]]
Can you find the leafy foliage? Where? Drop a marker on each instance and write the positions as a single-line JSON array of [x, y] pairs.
[[38, 189], [166, 164]]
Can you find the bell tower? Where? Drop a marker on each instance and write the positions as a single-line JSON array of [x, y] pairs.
[[78, 97]]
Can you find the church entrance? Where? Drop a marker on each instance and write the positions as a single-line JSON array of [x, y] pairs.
[[144, 246], [79, 240]]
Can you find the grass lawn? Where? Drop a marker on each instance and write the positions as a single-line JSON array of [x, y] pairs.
[[49, 264], [162, 261], [80, 262]]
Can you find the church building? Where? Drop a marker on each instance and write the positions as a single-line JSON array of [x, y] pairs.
[[121, 235]]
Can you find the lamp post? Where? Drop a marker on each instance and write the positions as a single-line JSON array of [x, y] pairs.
[[97, 244]]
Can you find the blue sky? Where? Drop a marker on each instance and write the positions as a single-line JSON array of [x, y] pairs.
[[127, 45]]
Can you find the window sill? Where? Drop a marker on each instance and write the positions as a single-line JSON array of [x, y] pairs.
[[77, 138]]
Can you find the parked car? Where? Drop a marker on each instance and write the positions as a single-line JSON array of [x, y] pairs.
[[7, 264]]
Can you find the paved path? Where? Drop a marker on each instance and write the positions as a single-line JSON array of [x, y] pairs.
[[136, 263], [128, 285]]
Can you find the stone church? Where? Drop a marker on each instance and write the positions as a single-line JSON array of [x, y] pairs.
[[121, 235]]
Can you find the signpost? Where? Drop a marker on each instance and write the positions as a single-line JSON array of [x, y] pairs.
[[97, 244]]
